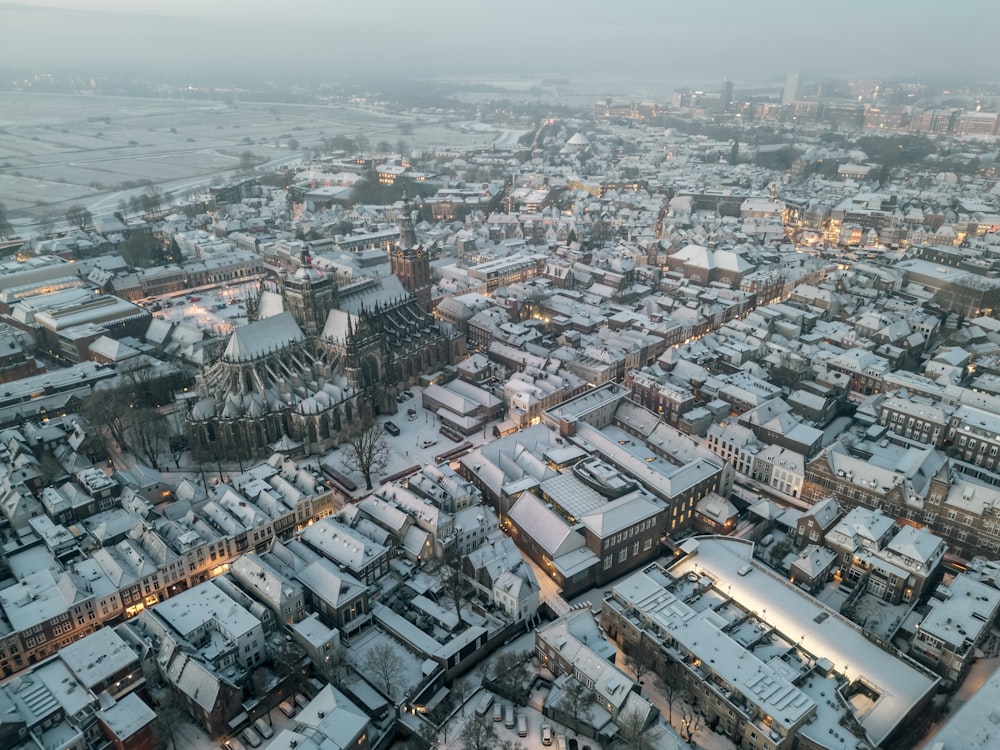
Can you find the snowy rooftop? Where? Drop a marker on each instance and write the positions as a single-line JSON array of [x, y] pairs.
[[127, 716], [976, 725], [899, 684], [262, 336], [191, 609], [967, 608], [98, 656]]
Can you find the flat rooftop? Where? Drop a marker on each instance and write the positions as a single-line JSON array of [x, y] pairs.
[[900, 684]]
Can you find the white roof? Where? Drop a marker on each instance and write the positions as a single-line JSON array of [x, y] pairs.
[[190, 609], [127, 716], [98, 656], [263, 336], [899, 684]]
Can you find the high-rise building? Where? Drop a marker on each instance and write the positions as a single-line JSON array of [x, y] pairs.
[[791, 90], [725, 96]]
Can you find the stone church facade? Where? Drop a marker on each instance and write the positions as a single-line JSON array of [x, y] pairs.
[[303, 380]]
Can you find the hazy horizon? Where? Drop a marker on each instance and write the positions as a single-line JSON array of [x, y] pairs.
[[641, 40]]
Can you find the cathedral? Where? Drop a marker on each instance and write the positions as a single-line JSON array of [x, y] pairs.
[[332, 359]]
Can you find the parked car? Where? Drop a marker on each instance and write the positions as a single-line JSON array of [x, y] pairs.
[[301, 701], [253, 739], [484, 704], [546, 734], [234, 744], [287, 708], [263, 728], [408, 394], [428, 442], [391, 428], [522, 725]]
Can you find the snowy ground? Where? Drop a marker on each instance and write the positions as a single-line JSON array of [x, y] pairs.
[[190, 736], [406, 449], [218, 309], [57, 150]]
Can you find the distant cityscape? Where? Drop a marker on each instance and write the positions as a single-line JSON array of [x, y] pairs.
[[512, 414]]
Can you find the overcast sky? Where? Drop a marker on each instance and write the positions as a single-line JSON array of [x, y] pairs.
[[746, 41]]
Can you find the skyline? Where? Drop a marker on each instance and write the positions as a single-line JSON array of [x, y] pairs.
[[748, 44]]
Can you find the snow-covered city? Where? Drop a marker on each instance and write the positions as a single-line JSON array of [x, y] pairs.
[[499, 413]]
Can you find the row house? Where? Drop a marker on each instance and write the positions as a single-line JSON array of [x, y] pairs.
[[762, 687], [157, 561], [659, 396], [920, 421], [893, 564]]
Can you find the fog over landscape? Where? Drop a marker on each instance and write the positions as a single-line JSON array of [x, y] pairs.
[[641, 40]]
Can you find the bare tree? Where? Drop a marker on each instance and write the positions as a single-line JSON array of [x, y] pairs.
[[691, 721], [576, 702], [5, 228], [383, 662], [288, 664], [454, 586], [149, 434], [509, 675], [478, 733], [460, 690], [641, 659], [337, 666], [45, 224], [109, 408], [671, 686], [170, 713], [79, 216], [367, 452], [634, 729]]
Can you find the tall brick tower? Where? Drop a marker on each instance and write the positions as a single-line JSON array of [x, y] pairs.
[[410, 263]]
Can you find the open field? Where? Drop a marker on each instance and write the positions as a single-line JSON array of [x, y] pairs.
[[56, 150]]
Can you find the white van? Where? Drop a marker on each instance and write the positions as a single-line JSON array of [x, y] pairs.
[[508, 717], [522, 725]]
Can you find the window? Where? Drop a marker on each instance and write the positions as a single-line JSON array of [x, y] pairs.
[[608, 561], [622, 555], [635, 548], [647, 545]]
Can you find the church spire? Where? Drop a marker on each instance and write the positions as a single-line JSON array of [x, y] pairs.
[[407, 234]]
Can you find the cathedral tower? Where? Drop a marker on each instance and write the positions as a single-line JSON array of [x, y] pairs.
[[309, 296], [410, 263]]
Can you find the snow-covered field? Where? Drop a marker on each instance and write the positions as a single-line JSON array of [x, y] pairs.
[[59, 149]]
